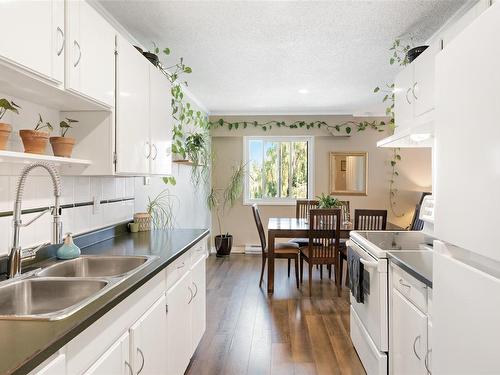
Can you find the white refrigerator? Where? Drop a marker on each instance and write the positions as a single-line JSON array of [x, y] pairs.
[[466, 276]]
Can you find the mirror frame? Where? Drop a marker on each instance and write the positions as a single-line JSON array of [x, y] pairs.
[[332, 177]]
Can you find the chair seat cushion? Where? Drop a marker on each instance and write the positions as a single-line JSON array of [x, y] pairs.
[[286, 247], [302, 242]]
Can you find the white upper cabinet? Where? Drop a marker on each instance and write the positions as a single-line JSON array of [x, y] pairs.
[[132, 115], [33, 36], [160, 109], [148, 341], [414, 89], [468, 136], [90, 57]]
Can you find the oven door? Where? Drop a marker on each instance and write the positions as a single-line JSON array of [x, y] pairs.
[[373, 313]]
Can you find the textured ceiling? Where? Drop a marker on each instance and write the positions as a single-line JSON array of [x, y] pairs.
[[261, 57]]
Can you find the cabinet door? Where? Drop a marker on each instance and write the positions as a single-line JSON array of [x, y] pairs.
[[198, 304], [409, 337], [56, 366], [468, 136], [132, 115], [33, 36], [115, 361], [91, 53], [148, 341], [403, 106], [179, 340], [160, 109], [424, 83]]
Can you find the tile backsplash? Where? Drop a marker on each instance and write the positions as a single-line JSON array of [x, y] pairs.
[[38, 193]]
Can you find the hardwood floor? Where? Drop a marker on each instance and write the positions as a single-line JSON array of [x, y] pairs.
[[287, 333]]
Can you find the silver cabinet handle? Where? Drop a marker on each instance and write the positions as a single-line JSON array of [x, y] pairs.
[[415, 349], [75, 43], [407, 92], [413, 90], [156, 151], [426, 361], [404, 284], [142, 364], [129, 368], [191, 295], [195, 290], [147, 149], [59, 51], [181, 265]]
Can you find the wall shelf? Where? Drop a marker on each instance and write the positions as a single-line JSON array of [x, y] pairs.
[[25, 158], [187, 162]]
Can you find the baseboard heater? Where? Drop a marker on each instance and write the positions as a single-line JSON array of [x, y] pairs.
[[253, 249]]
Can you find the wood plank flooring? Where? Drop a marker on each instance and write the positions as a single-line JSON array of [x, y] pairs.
[[287, 333]]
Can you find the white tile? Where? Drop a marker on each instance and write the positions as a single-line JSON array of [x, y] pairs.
[[82, 190], [130, 187], [5, 234], [120, 187], [29, 193], [67, 187], [42, 229], [81, 219], [67, 220], [96, 219], [108, 187], [27, 235], [95, 188], [44, 194], [6, 203]]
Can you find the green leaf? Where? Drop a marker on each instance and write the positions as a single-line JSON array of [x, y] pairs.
[[391, 61], [221, 122], [166, 51], [187, 69], [348, 130], [376, 89]]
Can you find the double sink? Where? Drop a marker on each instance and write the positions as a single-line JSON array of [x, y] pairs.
[[61, 289]]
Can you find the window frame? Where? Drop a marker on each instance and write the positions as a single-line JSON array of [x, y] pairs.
[[278, 201]]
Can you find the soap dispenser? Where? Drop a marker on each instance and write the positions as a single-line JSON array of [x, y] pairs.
[[68, 250]]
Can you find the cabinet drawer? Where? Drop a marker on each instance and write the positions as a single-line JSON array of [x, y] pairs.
[[198, 251], [410, 287], [178, 268]]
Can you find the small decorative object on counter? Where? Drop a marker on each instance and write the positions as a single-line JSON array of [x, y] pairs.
[[144, 221], [6, 129], [68, 250], [63, 146], [35, 141], [133, 227]]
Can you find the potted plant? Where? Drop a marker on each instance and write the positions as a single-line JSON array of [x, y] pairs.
[[63, 146], [404, 53], [152, 56], [6, 129], [221, 199], [327, 201], [35, 141]]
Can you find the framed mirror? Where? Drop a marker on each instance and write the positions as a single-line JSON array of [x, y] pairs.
[[348, 173]]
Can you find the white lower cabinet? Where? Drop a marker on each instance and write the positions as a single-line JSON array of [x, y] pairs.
[[198, 304], [115, 361], [409, 330], [148, 341], [179, 298], [53, 366]]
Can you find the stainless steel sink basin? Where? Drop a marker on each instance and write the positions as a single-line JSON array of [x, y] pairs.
[[95, 266], [47, 298]]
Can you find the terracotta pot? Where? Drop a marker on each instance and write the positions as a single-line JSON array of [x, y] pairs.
[[62, 146], [5, 130], [34, 141]]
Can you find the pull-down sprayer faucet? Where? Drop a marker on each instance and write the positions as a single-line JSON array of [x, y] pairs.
[[15, 252]]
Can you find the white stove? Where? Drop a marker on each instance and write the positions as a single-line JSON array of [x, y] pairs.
[[370, 319]]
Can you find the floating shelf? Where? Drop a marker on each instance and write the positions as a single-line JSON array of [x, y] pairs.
[[22, 157], [187, 162]]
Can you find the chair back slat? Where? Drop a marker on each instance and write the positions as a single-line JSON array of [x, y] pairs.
[[303, 206], [260, 228], [346, 210], [324, 234], [370, 219]]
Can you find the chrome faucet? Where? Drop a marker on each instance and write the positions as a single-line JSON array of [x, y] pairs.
[[15, 253]]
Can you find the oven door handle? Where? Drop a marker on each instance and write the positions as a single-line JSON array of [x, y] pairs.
[[368, 263]]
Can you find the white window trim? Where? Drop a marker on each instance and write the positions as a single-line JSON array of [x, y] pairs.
[[279, 201]]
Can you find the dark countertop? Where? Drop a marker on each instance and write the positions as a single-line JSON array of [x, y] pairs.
[[25, 344], [417, 263]]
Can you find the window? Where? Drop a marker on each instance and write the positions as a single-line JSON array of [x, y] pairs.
[[279, 169]]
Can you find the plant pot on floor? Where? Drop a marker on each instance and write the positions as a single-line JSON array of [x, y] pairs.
[[223, 244], [34, 141], [5, 130], [62, 146]]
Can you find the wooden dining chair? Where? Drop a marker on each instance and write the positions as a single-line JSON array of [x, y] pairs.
[[302, 208], [363, 220], [324, 240], [282, 250]]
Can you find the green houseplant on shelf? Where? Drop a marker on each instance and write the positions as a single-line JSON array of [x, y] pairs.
[[6, 129], [35, 140], [221, 199], [62, 145]]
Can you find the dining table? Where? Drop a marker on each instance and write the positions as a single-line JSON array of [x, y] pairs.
[[287, 227]]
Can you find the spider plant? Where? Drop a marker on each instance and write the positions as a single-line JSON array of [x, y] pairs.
[[161, 210]]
